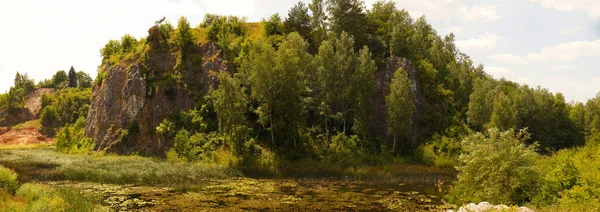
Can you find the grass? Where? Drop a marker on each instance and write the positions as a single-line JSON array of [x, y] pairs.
[[32, 124], [46, 164], [36, 197]]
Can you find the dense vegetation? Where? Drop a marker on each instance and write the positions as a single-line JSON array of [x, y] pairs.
[[302, 87]]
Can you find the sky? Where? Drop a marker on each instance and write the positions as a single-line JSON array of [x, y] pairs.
[[554, 44]]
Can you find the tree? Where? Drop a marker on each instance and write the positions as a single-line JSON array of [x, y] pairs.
[[298, 20], [504, 116], [128, 43], [183, 34], [400, 34], [259, 67], [111, 48], [273, 25], [60, 80], [24, 82], [318, 24], [481, 103], [231, 103], [277, 83], [380, 26], [400, 105], [498, 167], [349, 16], [72, 78], [84, 80], [364, 81]]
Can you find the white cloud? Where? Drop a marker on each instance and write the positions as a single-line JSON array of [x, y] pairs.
[[567, 52], [455, 30], [565, 67], [487, 41], [486, 13], [592, 7], [508, 58], [499, 72], [570, 30]]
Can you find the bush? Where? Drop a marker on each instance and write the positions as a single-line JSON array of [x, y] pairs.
[[72, 139], [570, 180], [498, 168], [49, 117], [8, 180], [43, 198]]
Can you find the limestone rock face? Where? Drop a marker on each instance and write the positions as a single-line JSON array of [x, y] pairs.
[[136, 96], [383, 79]]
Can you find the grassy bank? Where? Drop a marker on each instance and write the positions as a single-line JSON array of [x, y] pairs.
[[46, 164]]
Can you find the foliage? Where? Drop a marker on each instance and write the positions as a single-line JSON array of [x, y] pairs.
[[298, 20], [60, 80], [72, 139], [400, 106], [65, 106], [273, 25], [84, 80], [14, 100], [569, 180], [183, 34], [230, 102], [348, 16], [8, 180], [498, 167], [72, 78]]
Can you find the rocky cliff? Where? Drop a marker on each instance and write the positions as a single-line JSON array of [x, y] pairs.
[[139, 93], [383, 79]]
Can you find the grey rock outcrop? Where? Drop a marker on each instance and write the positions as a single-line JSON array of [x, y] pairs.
[[383, 79], [130, 102]]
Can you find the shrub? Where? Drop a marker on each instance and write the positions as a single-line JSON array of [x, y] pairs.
[[43, 198], [8, 180], [49, 117], [72, 139], [497, 167]]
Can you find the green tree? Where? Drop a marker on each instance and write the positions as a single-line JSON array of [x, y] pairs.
[[49, 118], [111, 48], [84, 80], [183, 34], [380, 26], [231, 104], [498, 167], [400, 34], [318, 24], [259, 68], [273, 25], [23, 81], [481, 103], [349, 16], [504, 116], [72, 78], [60, 80], [128, 43], [277, 82], [298, 20], [400, 105], [364, 81]]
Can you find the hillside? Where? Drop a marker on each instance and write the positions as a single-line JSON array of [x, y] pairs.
[[333, 90]]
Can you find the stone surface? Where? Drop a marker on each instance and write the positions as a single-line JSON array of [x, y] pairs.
[[128, 103]]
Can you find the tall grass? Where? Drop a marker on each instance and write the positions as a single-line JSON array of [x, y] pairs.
[[47, 164]]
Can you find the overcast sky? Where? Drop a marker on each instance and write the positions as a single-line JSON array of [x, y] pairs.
[[551, 43]]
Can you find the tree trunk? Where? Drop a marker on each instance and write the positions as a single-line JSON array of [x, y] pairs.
[[272, 136], [394, 145]]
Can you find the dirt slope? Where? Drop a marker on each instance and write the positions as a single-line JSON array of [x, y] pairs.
[[24, 136]]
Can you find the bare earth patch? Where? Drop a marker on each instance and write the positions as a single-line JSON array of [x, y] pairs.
[[24, 137]]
